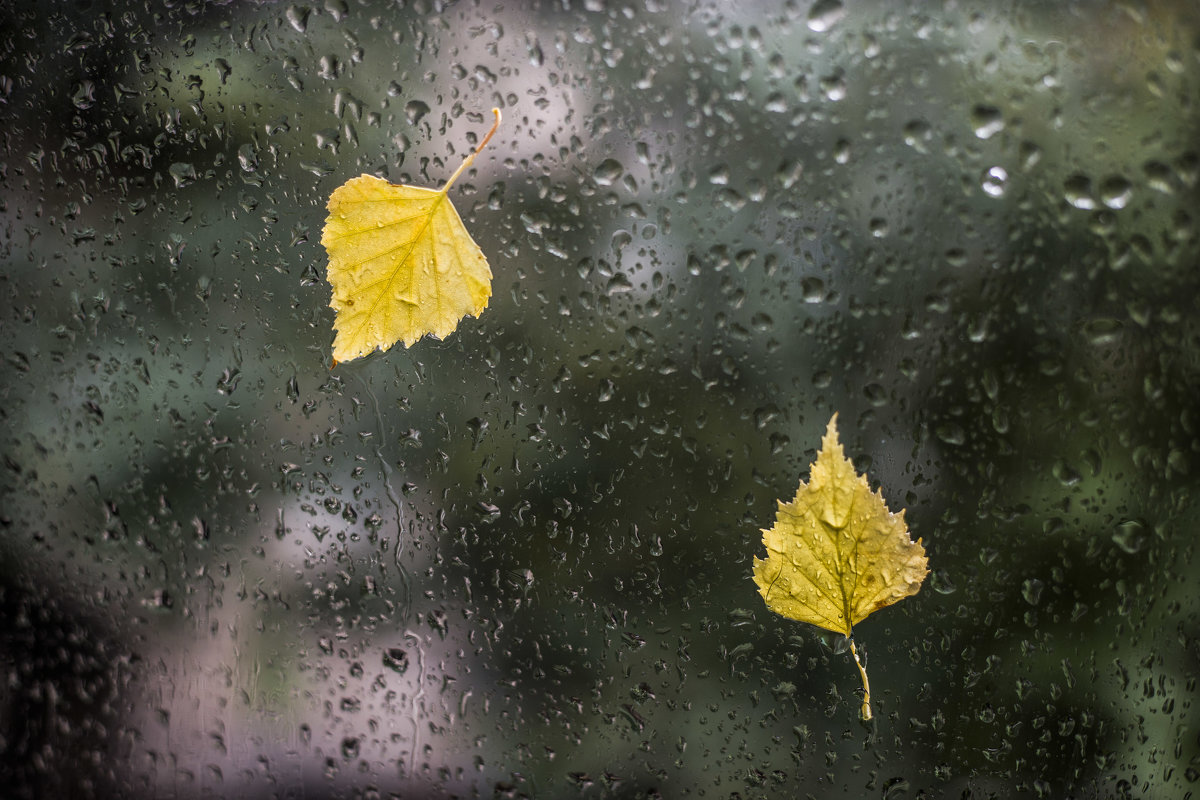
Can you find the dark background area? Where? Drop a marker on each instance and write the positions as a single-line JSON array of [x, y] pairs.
[[517, 562]]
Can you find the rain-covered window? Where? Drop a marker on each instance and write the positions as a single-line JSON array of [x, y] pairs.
[[519, 558]]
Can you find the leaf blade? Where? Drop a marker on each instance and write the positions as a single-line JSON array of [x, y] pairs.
[[401, 265], [836, 553]]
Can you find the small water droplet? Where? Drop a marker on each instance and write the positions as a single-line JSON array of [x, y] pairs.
[[350, 748], [917, 133], [951, 433], [1065, 473], [1159, 177], [1078, 191], [834, 87], [986, 121], [995, 181], [1102, 331], [841, 151], [731, 199]]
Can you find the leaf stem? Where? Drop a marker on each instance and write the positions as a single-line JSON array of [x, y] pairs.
[[866, 704], [467, 161]]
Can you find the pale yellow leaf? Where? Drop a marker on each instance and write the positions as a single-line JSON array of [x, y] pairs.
[[401, 264], [836, 553]]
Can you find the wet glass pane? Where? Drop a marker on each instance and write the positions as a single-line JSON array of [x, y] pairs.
[[517, 561]]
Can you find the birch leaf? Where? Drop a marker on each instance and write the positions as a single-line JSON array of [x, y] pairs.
[[836, 553], [401, 263]]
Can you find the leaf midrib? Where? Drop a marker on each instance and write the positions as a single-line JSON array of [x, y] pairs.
[[433, 207]]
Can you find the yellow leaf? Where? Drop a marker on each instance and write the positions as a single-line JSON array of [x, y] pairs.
[[836, 553], [401, 263]]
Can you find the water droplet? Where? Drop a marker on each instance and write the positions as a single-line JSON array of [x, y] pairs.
[[995, 181], [1159, 177], [620, 240], [941, 583], [84, 95], [414, 110], [825, 14], [731, 199], [1115, 192], [1102, 331], [1131, 536], [1031, 590], [350, 748], [1065, 473], [248, 157], [834, 87], [812, 289], [183, 174], [1031, 154], [951, 433], [534, 47], [395, 659], [917, 133], [298, 17], [1078, 191], [789, 173], [987, 121], [608, 172], [841, 151]]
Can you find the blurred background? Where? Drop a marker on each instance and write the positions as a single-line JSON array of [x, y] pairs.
[[517, 562]]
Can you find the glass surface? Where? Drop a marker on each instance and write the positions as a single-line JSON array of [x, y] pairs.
[[517, 562]]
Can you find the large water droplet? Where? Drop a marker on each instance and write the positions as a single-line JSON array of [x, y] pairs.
[[1031, 590], [1115, 191], [395, 659], [812, 289], [825, 14], [182, 173], [414, 110], [297, 17], [941, 583], [608, 172], [1131, 536]]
